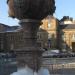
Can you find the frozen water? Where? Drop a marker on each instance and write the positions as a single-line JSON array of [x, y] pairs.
[[28, 71], [43, 71], [23, 71]]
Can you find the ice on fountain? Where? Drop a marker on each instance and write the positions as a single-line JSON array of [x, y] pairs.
[[35, 73], [23, 71], [43, 71], [28, 71]]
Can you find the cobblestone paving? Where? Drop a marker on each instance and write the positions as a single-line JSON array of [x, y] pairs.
[[67, 68]]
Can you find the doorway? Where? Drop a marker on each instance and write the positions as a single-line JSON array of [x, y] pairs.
[[73, 46]]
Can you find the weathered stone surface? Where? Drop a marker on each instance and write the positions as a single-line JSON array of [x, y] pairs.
[[32, 9], [11, 8], [30, 13]]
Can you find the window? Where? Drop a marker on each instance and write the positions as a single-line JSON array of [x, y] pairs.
[[73, 37], [40, 27], [49, 21], [64, 45], [49, 24], [12, 46], [49, 36], [1, 45], [63, 37], [39, 36]]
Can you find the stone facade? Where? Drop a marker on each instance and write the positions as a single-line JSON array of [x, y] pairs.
[[6, 36], [57, 35], [50, 36], [68, 38], [49, 32]]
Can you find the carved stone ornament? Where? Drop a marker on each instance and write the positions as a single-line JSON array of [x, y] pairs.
[[32, 9]]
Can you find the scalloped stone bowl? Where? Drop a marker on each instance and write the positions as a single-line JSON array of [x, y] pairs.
[[32, 9]]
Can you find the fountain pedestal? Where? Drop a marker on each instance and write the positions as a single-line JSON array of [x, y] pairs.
[[31, 54], [30, 13]]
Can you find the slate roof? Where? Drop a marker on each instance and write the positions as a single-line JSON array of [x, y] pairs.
[[8, 28], [67, 26], [11, 29]]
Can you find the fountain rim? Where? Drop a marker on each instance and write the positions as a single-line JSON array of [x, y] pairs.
[[30, 21]]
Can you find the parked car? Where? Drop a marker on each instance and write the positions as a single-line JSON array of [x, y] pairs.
[[51, 53], [55, 51], [7, 55], [58, 54], [71, 54]]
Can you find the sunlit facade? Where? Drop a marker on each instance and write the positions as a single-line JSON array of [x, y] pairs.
[[59, 35], [51, 35]]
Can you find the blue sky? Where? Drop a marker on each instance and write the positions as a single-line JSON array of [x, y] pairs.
[[63, 8], [4, 17]]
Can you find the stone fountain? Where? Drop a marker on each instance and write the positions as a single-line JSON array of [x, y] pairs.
[[30, 13]]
